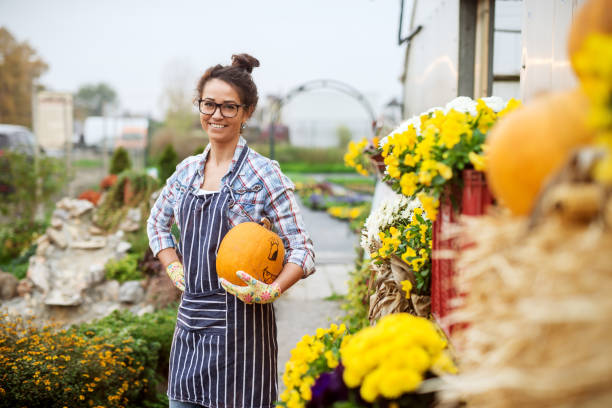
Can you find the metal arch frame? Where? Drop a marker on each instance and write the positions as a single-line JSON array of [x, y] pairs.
[[332, 84], [317, 84]]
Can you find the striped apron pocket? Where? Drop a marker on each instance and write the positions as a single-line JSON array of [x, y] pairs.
[[205, 312]]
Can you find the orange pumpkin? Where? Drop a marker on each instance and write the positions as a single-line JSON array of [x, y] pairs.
[[593, 17], [251, 248], [527, 146]]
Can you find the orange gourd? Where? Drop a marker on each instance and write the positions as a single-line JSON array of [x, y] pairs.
[[594, 16], [251, 248], [527, 146]]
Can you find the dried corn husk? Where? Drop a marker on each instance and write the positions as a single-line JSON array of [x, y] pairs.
[[388, 296], [539, 305]]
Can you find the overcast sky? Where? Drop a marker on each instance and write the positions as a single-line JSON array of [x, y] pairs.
[[134, 44]]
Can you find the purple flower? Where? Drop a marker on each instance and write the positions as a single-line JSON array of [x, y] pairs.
[[328, 388]]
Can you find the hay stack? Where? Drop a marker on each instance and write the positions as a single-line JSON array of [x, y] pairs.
[[539, 306]]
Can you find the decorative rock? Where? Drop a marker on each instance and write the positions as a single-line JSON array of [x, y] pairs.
[[108, 291], [57, 238], [75, 207], [57, 223], [57, 297], [93, 230], [24, 287], [123, 247], [41, 249], [146, 309], [42, 239], [8, 285], [131, 292], [96, 274], [38, 273], [95, 243], [60, 213], [74, 232], [131, 222]]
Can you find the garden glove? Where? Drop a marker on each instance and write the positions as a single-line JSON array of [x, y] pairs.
[[177, 274], [255, 291]]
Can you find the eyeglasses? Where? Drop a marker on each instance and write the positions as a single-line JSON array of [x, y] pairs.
[[227, 109]]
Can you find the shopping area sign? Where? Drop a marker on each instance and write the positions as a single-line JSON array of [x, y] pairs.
[[53, 120]]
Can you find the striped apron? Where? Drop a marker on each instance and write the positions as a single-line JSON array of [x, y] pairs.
[[224, 351]]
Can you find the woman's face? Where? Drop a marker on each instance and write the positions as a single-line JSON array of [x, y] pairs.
[[218, 127]]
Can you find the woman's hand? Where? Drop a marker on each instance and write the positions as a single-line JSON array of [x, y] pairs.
[[177, 274], [255, 291]]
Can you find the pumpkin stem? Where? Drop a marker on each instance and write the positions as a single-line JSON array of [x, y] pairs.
[[266, 223]]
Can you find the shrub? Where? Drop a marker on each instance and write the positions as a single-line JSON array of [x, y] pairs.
[[47, 367], [154, 329], [119, 198], [120, 161], [19, 180], [357, 302], [167, 162], [18, 265], [123, 270]]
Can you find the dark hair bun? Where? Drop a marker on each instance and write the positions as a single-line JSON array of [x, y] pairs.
[[245, 61]]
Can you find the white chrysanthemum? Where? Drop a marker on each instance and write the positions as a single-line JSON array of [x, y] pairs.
[[462, 104], [389, 213], [495, 103]]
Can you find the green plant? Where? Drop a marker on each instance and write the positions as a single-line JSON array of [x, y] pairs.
[[132, 189], [88, 163], [308, 167], [18, 266], [357, 302], [154, 329], [125, 269], [20, 178], [358, 184], [167, 162], [48, 367], [120, 161]]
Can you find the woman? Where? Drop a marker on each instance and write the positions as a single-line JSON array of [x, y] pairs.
[[224, 348]]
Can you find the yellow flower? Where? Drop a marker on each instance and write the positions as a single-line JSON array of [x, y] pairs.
[[478, 161], [332, 361], [429, 204], [409, 253], [408, 183], [394, 171], [444, 171], [407, 287], [510, 106]]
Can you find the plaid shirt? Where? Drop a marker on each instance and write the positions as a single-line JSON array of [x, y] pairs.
[[260, 190]]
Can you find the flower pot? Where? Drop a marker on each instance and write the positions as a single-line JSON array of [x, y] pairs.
[[473, 200]]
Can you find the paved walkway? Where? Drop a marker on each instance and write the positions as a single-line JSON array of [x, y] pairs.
[[303, 308]]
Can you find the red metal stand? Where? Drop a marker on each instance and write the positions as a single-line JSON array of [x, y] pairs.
[[474, 200]]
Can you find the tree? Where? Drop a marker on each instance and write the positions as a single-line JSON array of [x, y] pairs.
[[167, 162], [91, 98], [20, 67], [120, 161]]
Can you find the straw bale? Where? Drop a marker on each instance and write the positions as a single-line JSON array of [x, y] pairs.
[[538, 303]]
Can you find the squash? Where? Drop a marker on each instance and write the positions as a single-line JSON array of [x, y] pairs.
[[593, 17], [251, 248], [527, 146]]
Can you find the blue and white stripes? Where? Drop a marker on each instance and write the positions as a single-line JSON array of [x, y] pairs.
[[224, 352]]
